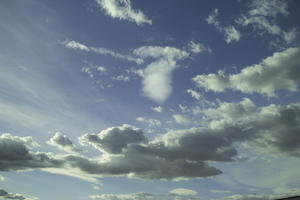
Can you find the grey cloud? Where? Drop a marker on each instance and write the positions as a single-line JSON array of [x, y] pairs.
[[63, 142], [252, 197], [279, 71], [14, 155], [5, 195], [113, 140]]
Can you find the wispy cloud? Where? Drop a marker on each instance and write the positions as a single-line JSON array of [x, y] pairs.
[[122, 9], [230, 32], [103, 51]]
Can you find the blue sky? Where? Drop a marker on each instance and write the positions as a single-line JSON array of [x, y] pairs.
[[155, 100]]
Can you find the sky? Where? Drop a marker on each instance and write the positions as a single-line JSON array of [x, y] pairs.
[[149, 100]]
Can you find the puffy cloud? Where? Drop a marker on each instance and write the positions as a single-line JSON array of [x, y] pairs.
[[183, 192], [15, 155], [157, 109], [5, 195], [2, 178], [63, 142], [123, 10], [149, 121], [230, 32], [279, 71], [181, 119], [103, 51], [113, 140], [157, 75], [261, 16]]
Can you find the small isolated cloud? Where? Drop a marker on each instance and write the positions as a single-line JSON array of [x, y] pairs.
[[122, 9], [121, 78], [262, 16], [194, 94], [1, 178], [279, 71], [230, 32], [183, 192], [5, 195], [197, 48], [181, 119], [157, 109], [99, 50], [157, 75], [151, 122], [63, 142]]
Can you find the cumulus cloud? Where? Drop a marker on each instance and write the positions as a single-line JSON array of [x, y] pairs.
[[150, 121], [121, 78], [197, 48], [15, 155], [99, 50], [113, 140], [230, 32], [157, 75], [63, 142], [122, 9], [183, 192], [2, 178], [5, 195], [262, 15], [279, 71]]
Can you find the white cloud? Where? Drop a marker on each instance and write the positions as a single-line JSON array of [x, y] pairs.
[[230, 32], [103, 51], [151, 122], [197, 48], [122, 9], [181, 119], [194, 94], [183, 192], [101, 69], [279, 71], [121, 78], [1, 178], [157, 109], [15, 196], [262, 16], [157, 75]]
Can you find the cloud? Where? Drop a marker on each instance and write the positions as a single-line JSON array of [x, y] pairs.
[[121, 78], [181, 119], [15, 155], [194, 94], [113, 140], [183, 192], [133, 196], [197, 48], [122, 9], [157, 109], [279, 71], [252, 197], [5, 195], [1, 178], [151, 122], [262, 15], [63, 142], [99, 50], [230, 32], [157, 75]]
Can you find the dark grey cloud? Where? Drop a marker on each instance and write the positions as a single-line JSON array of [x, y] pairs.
[[279, 71], [15, 155], [63, 142], [113, 140], [5, 195]]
